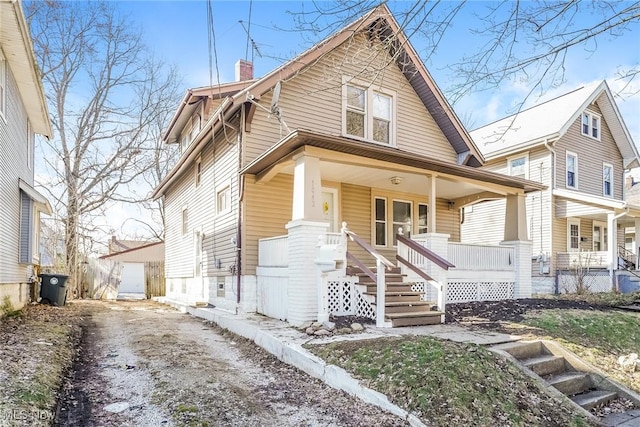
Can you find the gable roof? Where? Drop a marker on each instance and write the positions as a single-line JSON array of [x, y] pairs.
[[18, 52], [379, 22], [550, 120]]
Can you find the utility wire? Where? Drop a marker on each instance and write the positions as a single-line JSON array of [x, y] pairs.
[[213, 54]]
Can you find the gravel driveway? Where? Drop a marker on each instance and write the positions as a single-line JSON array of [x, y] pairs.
[[142, 364]]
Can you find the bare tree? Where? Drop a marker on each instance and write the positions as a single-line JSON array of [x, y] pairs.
[[525, 42], [104, 90]]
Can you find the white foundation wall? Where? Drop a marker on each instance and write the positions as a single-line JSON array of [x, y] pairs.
[[17, 294], [223, 293]]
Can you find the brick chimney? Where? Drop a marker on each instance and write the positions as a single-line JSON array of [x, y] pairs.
[[244, 70]]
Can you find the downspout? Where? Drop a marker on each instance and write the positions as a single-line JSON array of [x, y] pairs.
[[553, 163], [553, 186], [240, 199]]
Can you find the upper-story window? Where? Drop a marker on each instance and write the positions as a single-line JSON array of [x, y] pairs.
[[198, 177], [591, 124], [3, 84], [519, 166], [607, 179], [572, 170], [368, 114], [223, 200]]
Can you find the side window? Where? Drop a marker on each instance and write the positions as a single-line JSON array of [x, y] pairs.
[[223, 200], [572, 170], [519, 166], [607, 180], [26, 228]]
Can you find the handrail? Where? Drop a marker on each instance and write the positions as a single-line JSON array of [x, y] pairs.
[[415, 269], [366, 270], [364, 245], [430, 255]]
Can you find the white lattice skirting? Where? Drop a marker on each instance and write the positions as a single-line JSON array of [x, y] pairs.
[[346, 300], [467, 291]]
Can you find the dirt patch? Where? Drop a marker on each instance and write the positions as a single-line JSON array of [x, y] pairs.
[[480, 313], [162, 367]]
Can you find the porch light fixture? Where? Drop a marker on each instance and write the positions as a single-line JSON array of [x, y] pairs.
[[395, 180]]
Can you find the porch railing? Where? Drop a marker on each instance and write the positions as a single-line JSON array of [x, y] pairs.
[[273, 252], [481, 257], [379, 276], [582, 259], [422, 261], [627, 259]]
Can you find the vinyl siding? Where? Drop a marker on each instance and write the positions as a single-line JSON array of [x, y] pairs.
[[312, 100], [266, 211], [485, 225], [219, 162], [13, 166], [591, 155]]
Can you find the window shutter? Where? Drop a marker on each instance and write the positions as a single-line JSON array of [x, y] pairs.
[[26, 228]]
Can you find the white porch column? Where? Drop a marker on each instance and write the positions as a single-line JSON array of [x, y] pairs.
[[522, 266], [612, 247], [307, 189], [431, 217], [304, 229], [636, 242], [515, 221]]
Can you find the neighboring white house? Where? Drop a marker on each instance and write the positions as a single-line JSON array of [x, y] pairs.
[[134, 255], [353, 130], [23, 113], [578, 145]]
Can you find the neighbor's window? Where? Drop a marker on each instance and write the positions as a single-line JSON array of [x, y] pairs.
[[368, 114], [223, 199], [518, 166], [591, 125], [26, 228], [381, 221], [573, 237], [607, 183], [572, 170]]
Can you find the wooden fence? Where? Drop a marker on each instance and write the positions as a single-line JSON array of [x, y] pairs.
[[101, 278], [154, 281]]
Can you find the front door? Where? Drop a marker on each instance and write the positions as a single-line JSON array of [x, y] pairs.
[[330, 208]]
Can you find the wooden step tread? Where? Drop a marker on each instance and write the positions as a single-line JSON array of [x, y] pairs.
[[413, 314], [408, 303]]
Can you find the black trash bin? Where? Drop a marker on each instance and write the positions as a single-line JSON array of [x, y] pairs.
[[53, 289]]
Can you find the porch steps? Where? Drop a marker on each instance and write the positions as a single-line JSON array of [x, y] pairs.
[[564, 371], [403, 306]]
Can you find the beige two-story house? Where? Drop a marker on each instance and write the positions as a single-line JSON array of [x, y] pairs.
[[348, 155], [579, 147]]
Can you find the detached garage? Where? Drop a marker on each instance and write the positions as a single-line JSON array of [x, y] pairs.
[[142, 270]]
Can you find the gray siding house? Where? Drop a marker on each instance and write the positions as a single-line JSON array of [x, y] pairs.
[[579, 147], [23, 113]]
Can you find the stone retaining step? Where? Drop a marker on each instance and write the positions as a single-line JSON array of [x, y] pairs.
[[594, 398], [570, 383], [545, 365]]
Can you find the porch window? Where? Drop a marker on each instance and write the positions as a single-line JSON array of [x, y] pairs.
[[518, 166], [381, 221], [223, 200], [401, 219], [599, 237], [368, 114], [572, 170], [423, 213], [591, 125], [573, 235], [607, 183]]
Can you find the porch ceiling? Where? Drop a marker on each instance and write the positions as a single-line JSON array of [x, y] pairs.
[[361, 163], [381, 178]]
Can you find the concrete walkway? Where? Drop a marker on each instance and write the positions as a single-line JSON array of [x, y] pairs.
[[285, 342]]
